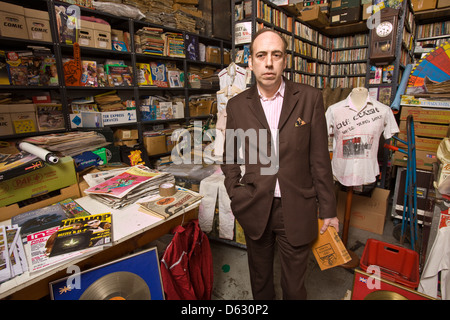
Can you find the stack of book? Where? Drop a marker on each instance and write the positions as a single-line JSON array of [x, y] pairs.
[[174, 45], [151, 40]]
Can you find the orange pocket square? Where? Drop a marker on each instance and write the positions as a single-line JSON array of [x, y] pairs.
[[299, 122]]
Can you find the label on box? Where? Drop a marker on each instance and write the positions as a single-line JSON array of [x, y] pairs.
[[118, 117]]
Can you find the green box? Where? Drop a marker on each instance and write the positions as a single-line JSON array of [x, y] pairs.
[[51, 177]]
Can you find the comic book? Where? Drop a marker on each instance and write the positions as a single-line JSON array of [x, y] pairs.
[[5, 266], [159, 74], [81, 233]]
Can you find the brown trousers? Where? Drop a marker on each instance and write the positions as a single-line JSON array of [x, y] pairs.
[[293, 260]]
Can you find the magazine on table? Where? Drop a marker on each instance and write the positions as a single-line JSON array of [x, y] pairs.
[[81, 233], [38, 253], [165, 207]]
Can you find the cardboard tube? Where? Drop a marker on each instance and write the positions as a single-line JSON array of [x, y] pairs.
[[39, 152]]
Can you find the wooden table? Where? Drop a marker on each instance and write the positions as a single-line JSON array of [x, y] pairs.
[[132, 230]]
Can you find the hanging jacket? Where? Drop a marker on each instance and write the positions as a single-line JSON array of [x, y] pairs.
[[186, 266]]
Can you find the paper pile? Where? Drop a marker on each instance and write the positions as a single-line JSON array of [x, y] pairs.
[[128, 186]]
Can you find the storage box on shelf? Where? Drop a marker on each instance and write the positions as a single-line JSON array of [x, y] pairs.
[[12, 21], [431, 125]]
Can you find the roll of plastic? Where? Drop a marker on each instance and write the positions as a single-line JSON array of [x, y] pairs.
[[167, 189], [39, 152]]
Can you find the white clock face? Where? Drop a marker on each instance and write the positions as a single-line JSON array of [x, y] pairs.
[[384, 29]]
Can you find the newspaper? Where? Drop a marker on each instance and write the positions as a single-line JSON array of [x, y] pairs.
[[5, 265], [124, 183]]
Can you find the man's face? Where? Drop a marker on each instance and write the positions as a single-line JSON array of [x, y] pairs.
[[268, 60]]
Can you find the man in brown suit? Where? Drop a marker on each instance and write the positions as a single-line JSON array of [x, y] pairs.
[[278, 197]]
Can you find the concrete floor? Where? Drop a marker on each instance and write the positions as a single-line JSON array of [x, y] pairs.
[[231, 277]]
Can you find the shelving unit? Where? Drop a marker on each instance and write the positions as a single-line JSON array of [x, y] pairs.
[[134, 91], [405, 34]]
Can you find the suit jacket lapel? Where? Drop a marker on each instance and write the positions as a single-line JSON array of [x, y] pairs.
[[256, 107], [289, 102]]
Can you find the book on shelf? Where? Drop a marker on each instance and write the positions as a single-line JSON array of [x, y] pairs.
[[50, 116], [159, 74], [243, 32]]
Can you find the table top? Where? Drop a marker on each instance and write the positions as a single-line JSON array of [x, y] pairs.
[[126, 222]]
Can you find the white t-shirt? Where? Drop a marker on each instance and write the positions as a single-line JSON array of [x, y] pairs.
[[356, 139]]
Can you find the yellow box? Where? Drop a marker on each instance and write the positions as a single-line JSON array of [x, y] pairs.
[[328, 249], [14, 209], [12, 21], [422, 5], [23, 117], [38, 25]]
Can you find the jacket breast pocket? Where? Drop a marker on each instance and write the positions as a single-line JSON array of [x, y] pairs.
[[302, 135]]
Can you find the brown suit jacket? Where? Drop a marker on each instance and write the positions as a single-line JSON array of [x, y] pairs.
[[304, 171]]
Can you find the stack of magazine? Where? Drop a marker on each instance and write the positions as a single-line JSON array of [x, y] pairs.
[[128, 186], [49, 236]]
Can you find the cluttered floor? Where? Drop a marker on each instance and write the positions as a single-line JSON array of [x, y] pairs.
[[231, 278]]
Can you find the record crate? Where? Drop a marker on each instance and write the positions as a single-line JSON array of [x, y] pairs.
[[397, 264]]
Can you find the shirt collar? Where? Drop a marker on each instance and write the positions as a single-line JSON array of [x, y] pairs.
[[280, 92], [350, 104]]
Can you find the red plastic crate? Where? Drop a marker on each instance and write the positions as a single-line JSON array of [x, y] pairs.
[[396, 264]]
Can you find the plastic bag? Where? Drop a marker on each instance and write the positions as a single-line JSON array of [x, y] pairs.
[[119, 9]]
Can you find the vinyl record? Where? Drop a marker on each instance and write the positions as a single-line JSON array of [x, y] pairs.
[[120, 285], [384, 295]]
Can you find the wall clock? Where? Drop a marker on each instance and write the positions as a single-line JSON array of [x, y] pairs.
[[384, 36]]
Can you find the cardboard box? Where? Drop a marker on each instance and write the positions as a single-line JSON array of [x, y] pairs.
[[426, 115], [422, 143], [426, 130], [6, 127], [101, 119], [38, 25], [12, 21], [125, 134], [23, 117], [329, 250], [443, 3], [213, 54], [366, 11], [86, 34], [424, 159], [9, 211], [314, 16], [155, 144], [38, 182], [344, 4], [102, 36], [342, 16], [367, 213], [422, 5]]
